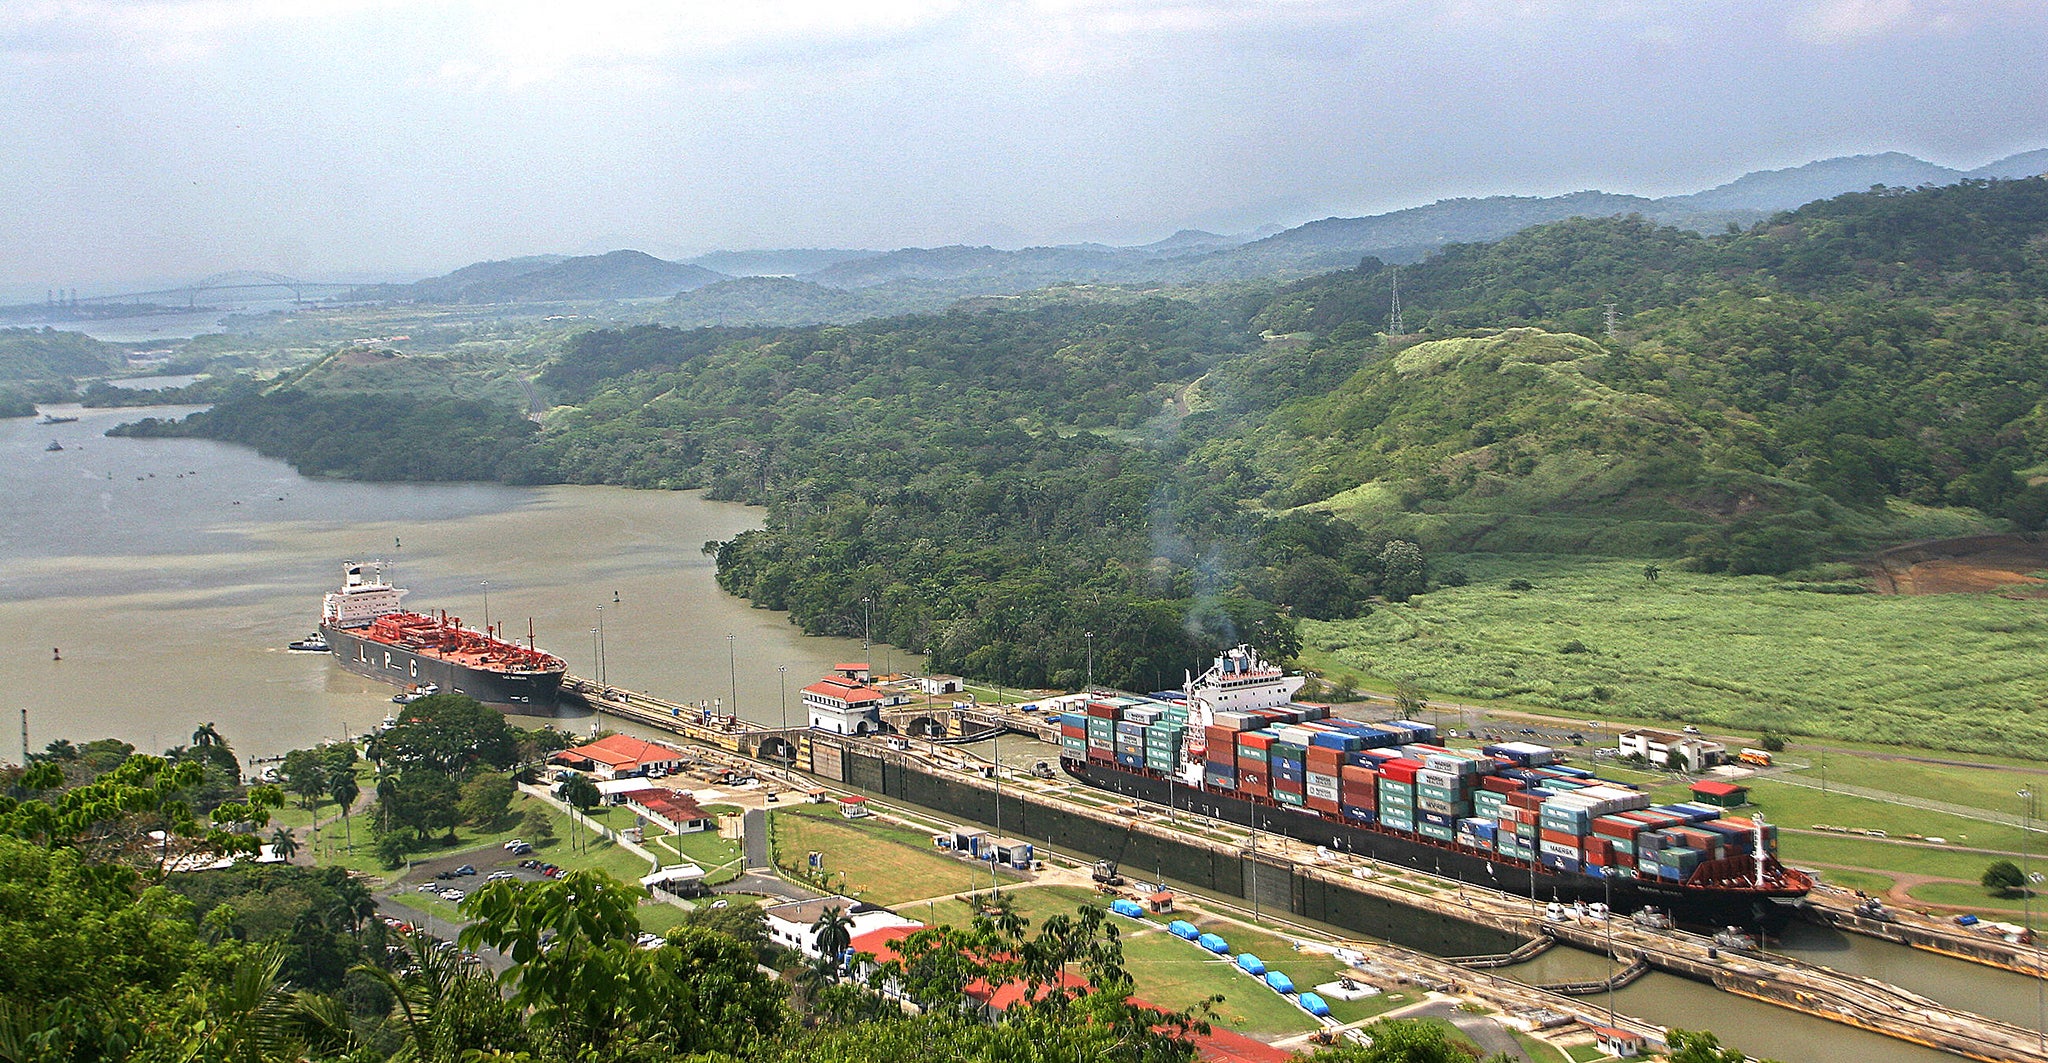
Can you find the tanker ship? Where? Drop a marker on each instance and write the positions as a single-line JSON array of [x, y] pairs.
[[371, 635], [1511, 816]]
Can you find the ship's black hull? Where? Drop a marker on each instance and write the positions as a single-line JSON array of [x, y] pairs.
[[524, 692], [1694, 907]]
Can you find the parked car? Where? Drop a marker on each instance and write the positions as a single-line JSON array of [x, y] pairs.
[[466, 869], [515, 843]]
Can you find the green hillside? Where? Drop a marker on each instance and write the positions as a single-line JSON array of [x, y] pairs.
[[1183, 467]]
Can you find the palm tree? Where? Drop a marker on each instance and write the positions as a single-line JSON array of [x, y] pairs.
[[342, 785], [283, 845], [207, 735], [833, 933]]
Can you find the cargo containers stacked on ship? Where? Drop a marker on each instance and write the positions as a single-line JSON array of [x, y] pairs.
[[1510, 804]]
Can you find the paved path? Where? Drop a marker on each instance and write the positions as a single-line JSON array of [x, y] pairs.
[[1929, 804], [535, 790]]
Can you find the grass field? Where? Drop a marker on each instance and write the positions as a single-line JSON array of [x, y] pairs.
[[1991, 787], [1952, 671], [879, 864], [587, 854]]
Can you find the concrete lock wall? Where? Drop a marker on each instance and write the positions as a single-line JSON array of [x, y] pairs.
[[1279, 888]]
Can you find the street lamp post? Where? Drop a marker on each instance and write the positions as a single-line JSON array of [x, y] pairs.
[[602, 677], [866, 633], [2027, 916], [487, 607], [1607, 920], [1090, 636], [782, 673], [732, 675], [995, 885]]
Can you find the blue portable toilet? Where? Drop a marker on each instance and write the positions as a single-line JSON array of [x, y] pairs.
[[1313, 1004], [1213, 943], [1129, 908], [1250, 964], [1183, 930], [1280, 982]]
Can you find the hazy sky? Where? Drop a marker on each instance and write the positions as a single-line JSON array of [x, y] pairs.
[[150, 138]]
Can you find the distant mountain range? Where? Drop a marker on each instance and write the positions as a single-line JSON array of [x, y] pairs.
[[809, 285]]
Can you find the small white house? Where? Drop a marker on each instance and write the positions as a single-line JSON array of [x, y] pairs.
[[793, 925], [936, 685], [1669, 750]]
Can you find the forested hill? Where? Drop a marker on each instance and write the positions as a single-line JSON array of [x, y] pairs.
[[1170, 472], [1780, 386]]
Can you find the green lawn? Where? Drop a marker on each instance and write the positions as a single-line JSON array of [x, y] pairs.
[[1954, 671], [1867, 881], [1178, 974], [878, 864], [584, 853], [1033, 903], [1882, 856], [1991, 787], [719, 857], [1795, 806], [1975, 898]]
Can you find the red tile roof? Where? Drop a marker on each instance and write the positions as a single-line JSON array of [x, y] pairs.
[[622, 751], [1216, 1046], [668, 804], [1716, 788], [1228, 1046], [882, 943]]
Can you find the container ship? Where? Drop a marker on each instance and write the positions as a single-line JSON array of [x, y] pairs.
[[371, 635], [1511, 816]]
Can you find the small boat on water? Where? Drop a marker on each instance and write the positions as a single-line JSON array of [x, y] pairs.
[[313, 643], [51, 418], [415, 694], [54, 445]]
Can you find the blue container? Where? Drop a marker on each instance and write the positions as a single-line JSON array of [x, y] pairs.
[[1359, 815], [1280, 982], [1250, 964], [1213, 943], [1131, 760], [1129, 908], [1313, 1004], [1183, 930]]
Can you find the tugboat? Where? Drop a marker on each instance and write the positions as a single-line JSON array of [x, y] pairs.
[[410, 696], [313, 643]]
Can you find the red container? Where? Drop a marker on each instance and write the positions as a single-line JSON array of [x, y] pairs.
[[1254, 740], [1101, 754], [1402, 770], [1616, 827], [1362, 796], [1252, 784], [1358, 774], [1321, 804], [1290, 786], [1102, 710], [1559, 837], [1525, 800], [1500, 784]]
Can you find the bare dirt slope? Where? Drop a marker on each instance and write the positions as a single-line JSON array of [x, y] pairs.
[[1975, 564]]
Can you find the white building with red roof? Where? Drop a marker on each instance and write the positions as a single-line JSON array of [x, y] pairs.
[[676, 813], [620, 756], [844, 703]]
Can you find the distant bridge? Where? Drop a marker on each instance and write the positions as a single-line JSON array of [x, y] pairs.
[[235, 280]]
